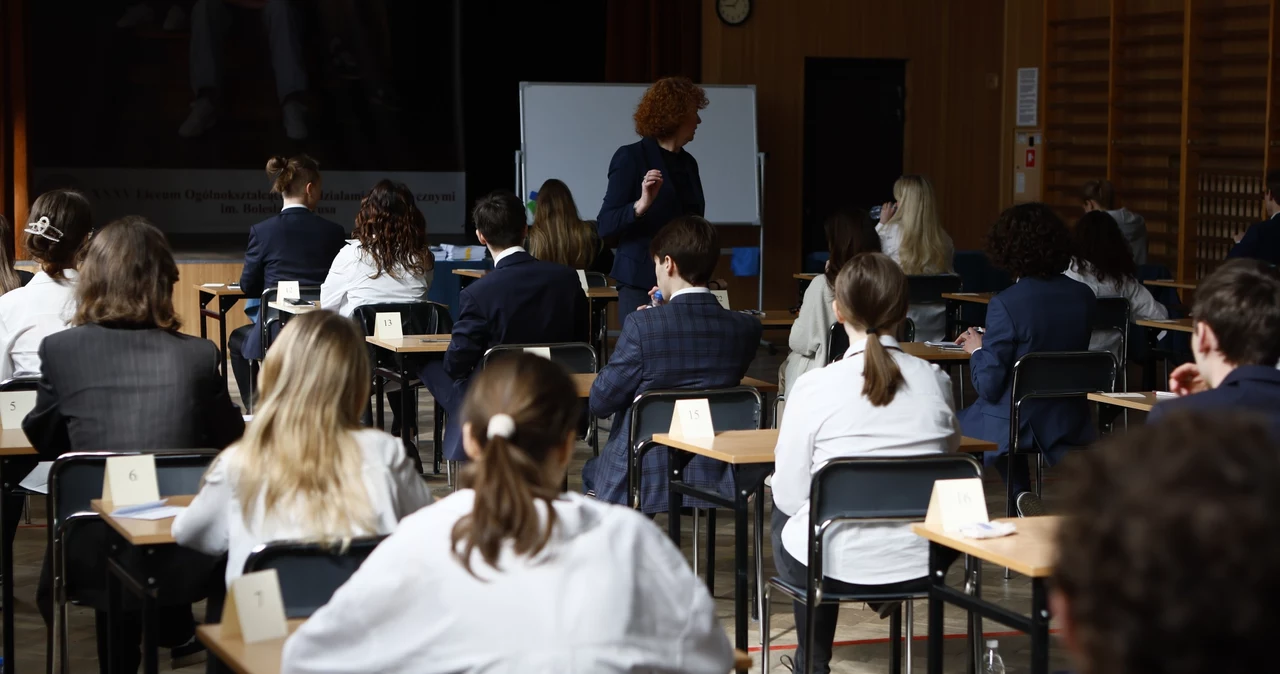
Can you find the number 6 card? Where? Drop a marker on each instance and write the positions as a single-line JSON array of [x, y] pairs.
[[130, 480]]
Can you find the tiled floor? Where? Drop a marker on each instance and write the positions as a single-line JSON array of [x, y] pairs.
[[861, 635]]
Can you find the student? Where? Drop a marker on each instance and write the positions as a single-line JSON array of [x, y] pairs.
[[389, 260], [1100, 195], [1236, 344], [522, 301], [10, 278], [875, 402], [1042, 311], [848, 234], [511, 574], [124, 379], [690, 341], [911, 233], [559, 236], [296, 245], [1101, 259], [1167, 552], [1262, 240], [61, 221], [305, 469]]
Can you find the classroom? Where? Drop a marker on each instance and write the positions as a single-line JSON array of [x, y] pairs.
[[693, 336]]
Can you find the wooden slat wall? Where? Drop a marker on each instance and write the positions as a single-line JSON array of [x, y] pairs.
[[187, 302]]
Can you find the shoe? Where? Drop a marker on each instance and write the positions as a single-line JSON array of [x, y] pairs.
[[191, 653], [136, 15], [787, 662], [176, 19], [202, 118], [295, 120], [1029, 505]]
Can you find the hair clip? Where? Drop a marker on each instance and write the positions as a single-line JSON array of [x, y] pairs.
[[42, 228], [501, 426]]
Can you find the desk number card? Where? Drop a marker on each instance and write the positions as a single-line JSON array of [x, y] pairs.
[[722, 296], [254, 610], [130, 480], [691, 420], [14, 406], [582, 278], [543, 351], [288, 290], [956, 503], [387, 325]]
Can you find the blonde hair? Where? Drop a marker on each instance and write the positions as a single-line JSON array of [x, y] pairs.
[[299, 452], [926, 248], [557, 234]]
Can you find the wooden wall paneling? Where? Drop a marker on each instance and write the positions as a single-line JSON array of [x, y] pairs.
[[1269, 130], [1025, 46], [1187, 178], [186, 299], [1113, 88], [1078, 89], [15, 152]]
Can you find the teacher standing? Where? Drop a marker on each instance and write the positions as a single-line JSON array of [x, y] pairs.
[[652, 182]]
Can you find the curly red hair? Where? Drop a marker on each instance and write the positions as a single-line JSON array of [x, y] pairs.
[[666, 104]]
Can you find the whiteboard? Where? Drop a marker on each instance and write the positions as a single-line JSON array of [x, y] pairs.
[[570, 132]]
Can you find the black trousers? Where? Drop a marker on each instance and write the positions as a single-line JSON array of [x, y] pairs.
[[630, 297], [240, 364]]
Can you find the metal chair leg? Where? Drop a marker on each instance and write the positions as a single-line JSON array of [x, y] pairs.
[[1040, 475], [697, 514], [909, 616], [895, 641], [711, 551], [765, 637]]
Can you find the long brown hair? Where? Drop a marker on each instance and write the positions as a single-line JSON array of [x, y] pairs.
[[290, 176], [558, 235], [70, 224], [511, 476], [849, 233], [9, 278], [393, 232], [127, 277], [871, 292]]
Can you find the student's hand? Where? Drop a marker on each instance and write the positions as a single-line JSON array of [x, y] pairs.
[[649, 186], [1237, 237], [887, 211], [655, 302], [971, 340], [1186, 379]]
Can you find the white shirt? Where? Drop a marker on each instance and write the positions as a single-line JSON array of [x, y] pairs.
[[288, 206], [29, 314], [692, 290], [811, 333], [610, 593], [1142, 305], [351, 282], [505, 252], [214, 522], [827, 417]]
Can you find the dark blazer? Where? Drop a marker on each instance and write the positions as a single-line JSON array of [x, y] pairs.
[[1032, 315], [689, 343], [632, 265], [295, 245], [1248, 388], [107, 389], [1261, 242], [522, 301]]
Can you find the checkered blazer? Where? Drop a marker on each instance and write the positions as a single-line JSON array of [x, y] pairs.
[[689, 343]]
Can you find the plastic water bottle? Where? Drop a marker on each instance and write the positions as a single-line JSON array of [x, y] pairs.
[[992, 663], [657, 298]]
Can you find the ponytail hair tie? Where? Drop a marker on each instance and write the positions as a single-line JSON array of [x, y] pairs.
[[42, 228], [501, 426]]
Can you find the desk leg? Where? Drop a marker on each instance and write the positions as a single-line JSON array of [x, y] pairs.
[[114, 666], [6, 552], [740, 603], [1039, 627], [673, 499], [204, 302], [150, 649], [379, 388], [937, 577], [224, 306], [407, 422]]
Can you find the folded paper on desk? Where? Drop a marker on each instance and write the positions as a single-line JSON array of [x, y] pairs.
[[154, 510], [988, 529], [38, 479], [1164, 395], [945, 345], [1123, 395], [211, 285]]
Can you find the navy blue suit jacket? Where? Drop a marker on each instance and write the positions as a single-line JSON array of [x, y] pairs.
[[1249, 388], [522, 301], [631, 264], [1032, 315], [689, 343], [1261, 242], [296, 245]]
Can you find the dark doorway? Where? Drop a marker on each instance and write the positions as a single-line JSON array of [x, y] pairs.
[[854, 115]]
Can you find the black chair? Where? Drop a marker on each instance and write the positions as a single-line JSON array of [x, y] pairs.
[[596, 280], [270, 322], [1112, 316], [577, 358], [310, 572], [599, 314], [838, 339], [74, 480], [732, 409], [860, 489], [929, 288], [416, 318]]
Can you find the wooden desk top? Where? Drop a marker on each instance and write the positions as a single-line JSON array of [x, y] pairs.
[[1031, 552], [603, 293], [292, 308], [141, 532], [220, 290], [1144, 404], [777, 318], [14, 442], [1175, 324], [584, 381], [413, 343], [471, 273], [742, 447], [260, 658], [804, 277], [933, 354], [1165, 283], [978, 298]]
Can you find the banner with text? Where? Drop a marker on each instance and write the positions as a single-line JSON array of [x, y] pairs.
[[232, 200]]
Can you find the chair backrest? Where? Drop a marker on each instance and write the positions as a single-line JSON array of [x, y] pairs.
[[838, 339], [76, 477], [896, 488], [310, 572], [576, 357], [27, 383], [1058, 374], [269, 321], [928, 289], [597, 280], [1112, 315], [416, 318], [732, 409]]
